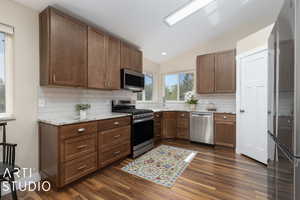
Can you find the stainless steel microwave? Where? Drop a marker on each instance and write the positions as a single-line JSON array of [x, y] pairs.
[[132, 80]]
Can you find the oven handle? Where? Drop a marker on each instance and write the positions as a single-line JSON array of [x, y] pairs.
[[143, 120]]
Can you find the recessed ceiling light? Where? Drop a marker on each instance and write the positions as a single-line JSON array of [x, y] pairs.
[[164, 53], [186, 11]]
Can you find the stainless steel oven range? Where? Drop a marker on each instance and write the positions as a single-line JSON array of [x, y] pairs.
[[142, 126]]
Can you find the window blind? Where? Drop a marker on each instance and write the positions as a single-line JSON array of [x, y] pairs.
[[6, 29]]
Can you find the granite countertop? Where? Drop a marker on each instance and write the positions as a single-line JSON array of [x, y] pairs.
[[188, 110], [74, 120]]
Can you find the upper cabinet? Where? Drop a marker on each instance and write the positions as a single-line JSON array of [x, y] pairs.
[[216, 73], [205, 74], [103, 61], [131, 58], [63, 46], [76, 55]]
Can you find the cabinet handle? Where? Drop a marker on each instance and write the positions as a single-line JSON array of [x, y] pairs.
[[225, 117], [54, 78], [82, 147], [117, 136], [116, 123], [82, 167], [80, 130], [117, 152], [182, 115]]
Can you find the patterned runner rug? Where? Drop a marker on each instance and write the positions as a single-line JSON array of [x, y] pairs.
[[162, 165]]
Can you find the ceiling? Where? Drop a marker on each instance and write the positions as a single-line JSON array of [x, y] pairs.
[[141, 22]]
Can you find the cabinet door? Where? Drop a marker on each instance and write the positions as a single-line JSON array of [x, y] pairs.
[[225, 133], [205, 74], [97, 71], [137, 60], [225, 72], [131, 58], [68, 50], [113, 63], [169, 124]]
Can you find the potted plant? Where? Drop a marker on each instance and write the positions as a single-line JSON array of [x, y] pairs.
[[191, 99], [82, 108]]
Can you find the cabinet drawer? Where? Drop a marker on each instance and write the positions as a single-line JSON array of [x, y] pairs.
[[182, 115], [170, 115], [79, 146], [78, 168], [78, 129], [114, 154], [109, 138], [113, 123], [224, 117]]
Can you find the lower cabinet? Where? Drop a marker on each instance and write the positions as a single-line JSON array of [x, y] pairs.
[[157, 126], [225, 129], [169, 124], [183, 125], [70, 152]]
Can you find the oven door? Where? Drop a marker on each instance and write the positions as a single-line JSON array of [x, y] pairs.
[[132, 80], [143, 131]]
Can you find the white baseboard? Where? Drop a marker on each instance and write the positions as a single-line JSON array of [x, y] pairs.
[[24, 182]]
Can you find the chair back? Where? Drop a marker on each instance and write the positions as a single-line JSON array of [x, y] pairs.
[[9, 153]]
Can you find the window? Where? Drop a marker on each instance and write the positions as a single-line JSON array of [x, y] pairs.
[[147, 94], [6, 71], [177, 85], [2, 74]]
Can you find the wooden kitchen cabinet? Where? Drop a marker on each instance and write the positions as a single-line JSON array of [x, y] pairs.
[[70, 152], [216, 73], [225, 129], [205, 74], [183, 131], [157, 126], [103, 61], [75, 54], [169, 125], [63, 50], [225, 72], [131, 58]]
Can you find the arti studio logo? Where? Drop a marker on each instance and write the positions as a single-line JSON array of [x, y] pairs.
[[24, 173]]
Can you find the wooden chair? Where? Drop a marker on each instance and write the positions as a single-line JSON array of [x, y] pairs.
[[7, 166]]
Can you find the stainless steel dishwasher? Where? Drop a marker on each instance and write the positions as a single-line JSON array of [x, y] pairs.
[[202, 127]]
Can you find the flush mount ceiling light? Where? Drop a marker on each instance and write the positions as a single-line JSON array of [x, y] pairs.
[[186, 11], [164, 53]]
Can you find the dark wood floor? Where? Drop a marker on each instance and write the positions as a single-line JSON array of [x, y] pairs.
[[213, 174]]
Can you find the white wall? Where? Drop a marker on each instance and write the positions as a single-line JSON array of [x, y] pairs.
[[23, 130], [255, 40]]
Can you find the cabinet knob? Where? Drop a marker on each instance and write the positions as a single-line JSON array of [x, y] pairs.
[[225, 117], [116, 123], [80, 130]]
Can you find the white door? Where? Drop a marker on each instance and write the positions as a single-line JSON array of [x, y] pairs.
[[253, 105]]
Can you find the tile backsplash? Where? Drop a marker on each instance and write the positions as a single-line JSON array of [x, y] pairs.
[[54, 102], [223, 103], [61, 101]]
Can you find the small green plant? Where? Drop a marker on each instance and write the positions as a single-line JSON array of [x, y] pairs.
[[80, 107]]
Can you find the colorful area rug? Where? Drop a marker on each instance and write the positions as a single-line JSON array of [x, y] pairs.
[[162, 165]]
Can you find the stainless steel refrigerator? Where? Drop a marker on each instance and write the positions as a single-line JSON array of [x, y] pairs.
[[283, 87]]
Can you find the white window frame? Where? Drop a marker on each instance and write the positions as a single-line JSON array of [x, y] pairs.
[[143, 93], [178, 72], [9, 72]]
